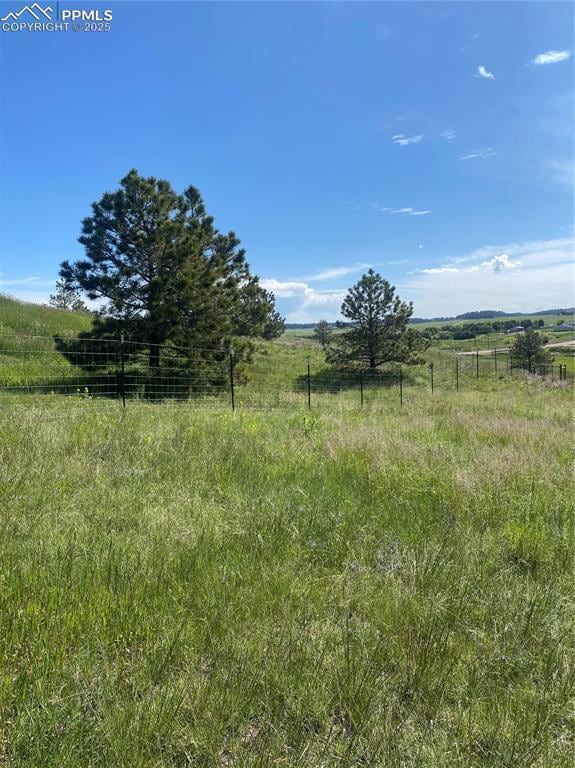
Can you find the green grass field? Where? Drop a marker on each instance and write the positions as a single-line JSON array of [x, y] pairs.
[[386, 587], [378, 586]]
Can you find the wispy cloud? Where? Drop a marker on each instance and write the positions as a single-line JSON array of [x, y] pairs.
[[332, 273], [404, 141], [408, 211], [551, 57], [484, 73], [562, 173], [32, 281], [449, 134], [479, 153], [468, 46]]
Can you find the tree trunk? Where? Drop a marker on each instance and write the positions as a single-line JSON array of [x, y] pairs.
[[154, 360]]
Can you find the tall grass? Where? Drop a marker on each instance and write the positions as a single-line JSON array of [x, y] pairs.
[[28, 319], [386, 587]]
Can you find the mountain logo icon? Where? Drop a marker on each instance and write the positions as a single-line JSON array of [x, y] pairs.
[[34, 10]]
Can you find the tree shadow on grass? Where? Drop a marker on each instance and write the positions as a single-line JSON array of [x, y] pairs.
[[96, 368], [333, 380]]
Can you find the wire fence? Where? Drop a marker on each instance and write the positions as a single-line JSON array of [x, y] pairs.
[[36, 369]]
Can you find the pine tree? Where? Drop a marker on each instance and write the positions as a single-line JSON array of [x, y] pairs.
[[164, 274], [378, 332], [67, 298], [323, 333]]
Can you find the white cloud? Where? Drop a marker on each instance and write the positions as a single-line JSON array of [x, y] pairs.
[[34, 281], [33, 288], [496, 264], [407, 211], [284, 289], [551, 57], [517, 277], [404, 141], [304, 304], [521, 276], [332, 272], [500, 263], [449, 134], [484, 73], [34, 297], [480, 153]]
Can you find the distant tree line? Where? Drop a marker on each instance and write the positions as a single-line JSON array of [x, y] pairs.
[[471, 330]]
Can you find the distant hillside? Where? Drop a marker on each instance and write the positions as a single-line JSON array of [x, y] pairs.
[[488, 314], [480, 314], [28, 319]]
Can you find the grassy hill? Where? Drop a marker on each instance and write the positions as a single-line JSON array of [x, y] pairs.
[[20, 317]]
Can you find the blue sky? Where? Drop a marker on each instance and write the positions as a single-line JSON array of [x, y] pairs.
[[430, 140]]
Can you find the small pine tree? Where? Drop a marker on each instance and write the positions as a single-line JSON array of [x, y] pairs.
[[67, 298], [378, 332], [323, 333]]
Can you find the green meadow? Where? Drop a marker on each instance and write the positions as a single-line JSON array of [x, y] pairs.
[[379, 586]]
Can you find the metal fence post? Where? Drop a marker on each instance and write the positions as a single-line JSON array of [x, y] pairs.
[[232, 381], [122, 371], [308, 387], [456, 373], [400, 385], [477, 363], [495, 358], [431, 373], [361, 387]]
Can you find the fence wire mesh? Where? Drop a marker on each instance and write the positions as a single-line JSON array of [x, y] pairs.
[[39, 370]]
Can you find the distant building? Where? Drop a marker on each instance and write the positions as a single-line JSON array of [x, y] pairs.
[[515, 329], [566, 327]]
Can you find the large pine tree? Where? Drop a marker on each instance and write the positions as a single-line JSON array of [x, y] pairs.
[[163, 273]]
